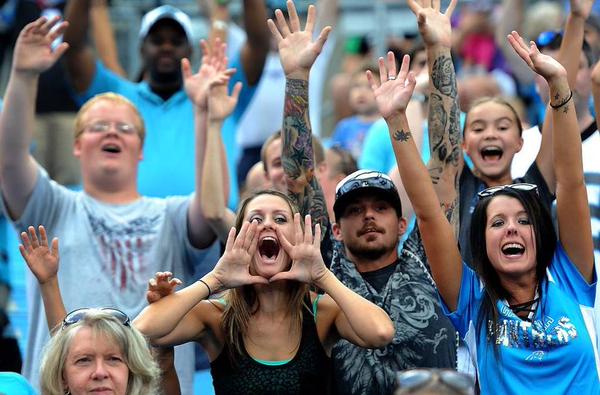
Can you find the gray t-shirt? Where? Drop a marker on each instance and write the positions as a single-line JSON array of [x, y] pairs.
[[108, 253]]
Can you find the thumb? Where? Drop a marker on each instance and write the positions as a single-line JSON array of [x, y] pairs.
[[288, 275], [257, 280]]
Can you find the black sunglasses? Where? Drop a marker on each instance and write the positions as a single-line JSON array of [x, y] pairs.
[[523, 186], [77, 315], [417, 378]]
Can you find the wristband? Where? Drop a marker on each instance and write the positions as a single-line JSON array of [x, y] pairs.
[[559, 105], [207, 287], [220, 25]]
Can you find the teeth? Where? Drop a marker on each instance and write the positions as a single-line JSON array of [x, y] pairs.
[[513, 245]]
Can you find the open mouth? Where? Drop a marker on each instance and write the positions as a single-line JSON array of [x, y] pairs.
[[268, 248], [491, 153], [111, 148], [513, 249]]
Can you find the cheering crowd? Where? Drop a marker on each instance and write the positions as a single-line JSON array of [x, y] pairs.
[[433, 240]]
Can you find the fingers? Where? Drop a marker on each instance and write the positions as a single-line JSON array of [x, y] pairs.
[[186, 68], [520, 48], [435, 5], [404, 68], [281, 23], [205, 49], [230, 239], [26, 242], [372, 83], [43, 236], [237, 88], [383, 76], [249, 236], [293, 16], [308, 234], [284, 242], [58, 31], [317, 238], [274, 31], [60, 50], [49, 24], [450, 8], [33, 237], [311, 17], [55, 246], [320, 42], [391, 64], [412, 4], [298, 234]]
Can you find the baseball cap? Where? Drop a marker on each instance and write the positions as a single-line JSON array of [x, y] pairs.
[[360, 181], [166, 12]]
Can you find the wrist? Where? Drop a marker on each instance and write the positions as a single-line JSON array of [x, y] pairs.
[[213, 283], [49, 283], [323, 280], [298, 75]]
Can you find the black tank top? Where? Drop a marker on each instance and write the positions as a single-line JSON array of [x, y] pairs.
[[309, 372]]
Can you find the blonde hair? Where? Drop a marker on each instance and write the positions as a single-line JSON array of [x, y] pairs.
[[242, 302], [143, 370], [113, 98]]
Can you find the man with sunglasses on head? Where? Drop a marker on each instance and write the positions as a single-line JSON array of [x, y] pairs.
[[113, 238]]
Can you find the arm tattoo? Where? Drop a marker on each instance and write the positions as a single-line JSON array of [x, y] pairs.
[[443, 77], [297, 154], [401, 135]]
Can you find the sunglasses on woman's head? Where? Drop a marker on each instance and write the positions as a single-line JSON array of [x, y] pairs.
[[77, 315], [417, 378], [519, 187]]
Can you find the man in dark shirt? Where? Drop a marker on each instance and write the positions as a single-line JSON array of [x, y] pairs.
[[369, 224]]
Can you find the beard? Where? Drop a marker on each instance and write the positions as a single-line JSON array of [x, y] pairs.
[[170, 77], [370, 253]]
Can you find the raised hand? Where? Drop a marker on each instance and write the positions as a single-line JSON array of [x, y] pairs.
[[297, 50], [160, 286], [307, 262], [433, 24], [233, 269], [41, 258], [220, 104], [212, 71], [33, 52], [392, 91], [544, 65]]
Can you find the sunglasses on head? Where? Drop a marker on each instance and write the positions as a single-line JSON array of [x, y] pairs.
[[417, 378], [550, 38], [77, 315], [518, 187]]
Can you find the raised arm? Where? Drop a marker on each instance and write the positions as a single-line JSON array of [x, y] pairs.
[[350, 316], [80, 59], [571, 194], [42, 259], [213, 178], [256, 47], [392, 94], [445, 138], [212, 72], [32, 56], [569, 56], [104, 38], [298, 52], [180, 317]]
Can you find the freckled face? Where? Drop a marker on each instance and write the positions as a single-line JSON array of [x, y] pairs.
[[270, 212], [509, 238]]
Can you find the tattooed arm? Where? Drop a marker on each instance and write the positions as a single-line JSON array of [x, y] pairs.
[[298, 52], [392, 96], [446, 160]]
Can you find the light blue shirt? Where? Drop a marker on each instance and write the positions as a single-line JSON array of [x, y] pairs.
[[553, 354]]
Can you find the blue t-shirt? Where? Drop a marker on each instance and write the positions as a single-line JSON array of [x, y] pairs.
[[15, 384], [350, 133], [553, 353], [169, 163]]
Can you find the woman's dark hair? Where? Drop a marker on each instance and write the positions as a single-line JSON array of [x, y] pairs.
[[545, 244]]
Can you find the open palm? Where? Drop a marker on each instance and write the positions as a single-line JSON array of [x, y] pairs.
[[233, 269], [544, 65], [41, 258], [433, 24], [392, 91], [307, 262], [33, 51], [297, 50]]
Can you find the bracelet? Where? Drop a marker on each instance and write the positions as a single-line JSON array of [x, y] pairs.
[[207, 287], [557, 106]]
